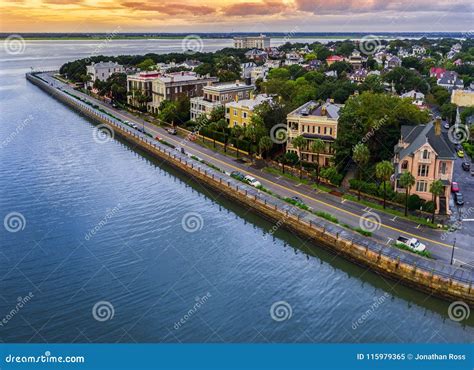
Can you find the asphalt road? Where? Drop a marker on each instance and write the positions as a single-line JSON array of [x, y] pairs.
[[387, 228]]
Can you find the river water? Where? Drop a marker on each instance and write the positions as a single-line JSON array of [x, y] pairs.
[[113, 246]]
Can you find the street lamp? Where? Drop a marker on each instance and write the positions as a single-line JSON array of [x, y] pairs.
[[452, 252]]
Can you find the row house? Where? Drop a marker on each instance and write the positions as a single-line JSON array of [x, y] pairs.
[[240, 112], [314, 120], [425, 152], [139, 89], [102, 71], [173, 86], [214, 96]]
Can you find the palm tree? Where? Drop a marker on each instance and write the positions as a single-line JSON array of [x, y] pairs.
[[407, 180], [265, 144], [317, 146], [299, 142], [361, 156], [383, 171], [436, 189]]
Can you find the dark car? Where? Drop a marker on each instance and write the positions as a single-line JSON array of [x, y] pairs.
[[237, 175], [466, 166], [459, 199], [297, 200]]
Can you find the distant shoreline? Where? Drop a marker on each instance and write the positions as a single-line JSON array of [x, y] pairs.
[[230, 36]]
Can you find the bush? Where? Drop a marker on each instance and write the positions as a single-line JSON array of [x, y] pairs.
[[429, 206], [365, 187], [331, 174], [414, 202]]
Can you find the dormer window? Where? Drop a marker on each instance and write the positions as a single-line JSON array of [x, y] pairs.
[[404, 165], [425, 154]]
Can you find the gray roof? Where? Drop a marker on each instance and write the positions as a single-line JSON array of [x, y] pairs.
[[416, 136], [313, 108]]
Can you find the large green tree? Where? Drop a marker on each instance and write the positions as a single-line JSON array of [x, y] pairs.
[[361, 156]]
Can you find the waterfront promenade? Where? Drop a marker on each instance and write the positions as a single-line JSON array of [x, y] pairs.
[[331, 234]]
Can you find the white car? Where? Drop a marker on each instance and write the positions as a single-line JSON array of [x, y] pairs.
[[412, 243], [252, 181]]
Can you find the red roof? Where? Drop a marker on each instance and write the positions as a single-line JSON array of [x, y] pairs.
[[437, 71], [335, 58]]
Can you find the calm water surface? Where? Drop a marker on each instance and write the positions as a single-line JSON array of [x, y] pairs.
[[102, 222]]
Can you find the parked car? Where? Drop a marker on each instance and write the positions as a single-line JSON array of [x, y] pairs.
[[466, 166], [412, 243], [252, 181], [472, 170], [459, 198], [460, 153], [237, 175], [297, 200], [446, 125], [181, 150], [159, 138], [454, 187], [172, 131]]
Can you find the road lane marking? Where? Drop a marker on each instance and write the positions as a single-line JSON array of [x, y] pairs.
[[393, 219]]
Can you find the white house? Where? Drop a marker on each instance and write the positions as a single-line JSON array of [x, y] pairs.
[[103, 70]]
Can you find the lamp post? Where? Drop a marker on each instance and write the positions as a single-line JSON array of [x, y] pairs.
[[452, 252]]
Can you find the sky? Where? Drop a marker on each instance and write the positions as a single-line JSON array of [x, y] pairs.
[[288, 16]]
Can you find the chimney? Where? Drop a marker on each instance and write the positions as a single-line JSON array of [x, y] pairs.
[[323, 110], [437, 126], [237, 82]]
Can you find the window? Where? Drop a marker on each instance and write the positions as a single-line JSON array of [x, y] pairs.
[[443, 168], [319, 129], [421, 186], [425, 154], [404, 165], [244, 114], [423, 170], [235, 112]]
